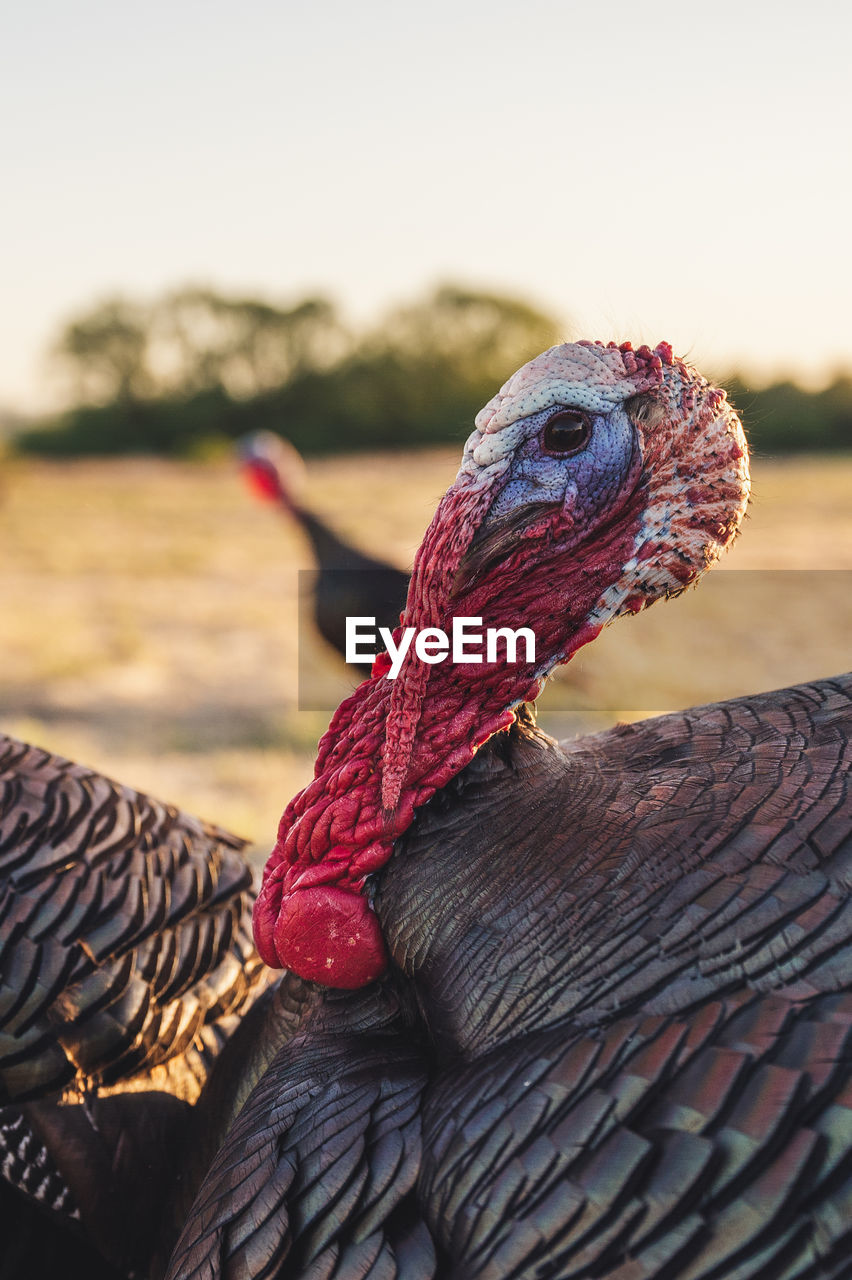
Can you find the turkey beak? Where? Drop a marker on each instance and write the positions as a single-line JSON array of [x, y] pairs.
[[494, 540]]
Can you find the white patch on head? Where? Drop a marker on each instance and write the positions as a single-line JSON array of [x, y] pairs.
[[585, 376], [490, 448]]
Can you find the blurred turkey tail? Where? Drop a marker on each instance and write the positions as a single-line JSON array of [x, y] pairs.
[[349, 583]]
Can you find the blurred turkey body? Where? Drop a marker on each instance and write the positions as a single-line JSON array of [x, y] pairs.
[[347, 583]]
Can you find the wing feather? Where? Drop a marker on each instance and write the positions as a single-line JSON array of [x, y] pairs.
[[126, 927]]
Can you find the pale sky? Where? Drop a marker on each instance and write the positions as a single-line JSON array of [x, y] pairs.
[[646, 170]]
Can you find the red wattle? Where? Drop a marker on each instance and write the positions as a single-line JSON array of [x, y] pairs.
[[331, 935]]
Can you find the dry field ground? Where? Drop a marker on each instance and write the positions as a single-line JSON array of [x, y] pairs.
[[149, 617]]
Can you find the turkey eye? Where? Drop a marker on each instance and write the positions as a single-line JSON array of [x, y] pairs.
[[566, 433]]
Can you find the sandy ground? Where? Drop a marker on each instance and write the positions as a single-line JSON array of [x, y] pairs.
[[149, 616]]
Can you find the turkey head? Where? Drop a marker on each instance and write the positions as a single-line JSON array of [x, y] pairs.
[[597, 481]]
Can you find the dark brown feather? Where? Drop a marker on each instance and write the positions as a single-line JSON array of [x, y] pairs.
[[126, 927], [125, 955]]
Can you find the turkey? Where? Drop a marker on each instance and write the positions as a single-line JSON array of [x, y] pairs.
[[548, 1011], [348, 582], [125, 960], [552, 1011]]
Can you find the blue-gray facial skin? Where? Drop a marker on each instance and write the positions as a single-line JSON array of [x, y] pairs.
[[571, 458]]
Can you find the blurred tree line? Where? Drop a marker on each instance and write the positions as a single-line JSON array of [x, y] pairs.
[[196, 367]]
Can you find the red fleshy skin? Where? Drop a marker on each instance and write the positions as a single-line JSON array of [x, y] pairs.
[[262, 480], [330, 935]]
